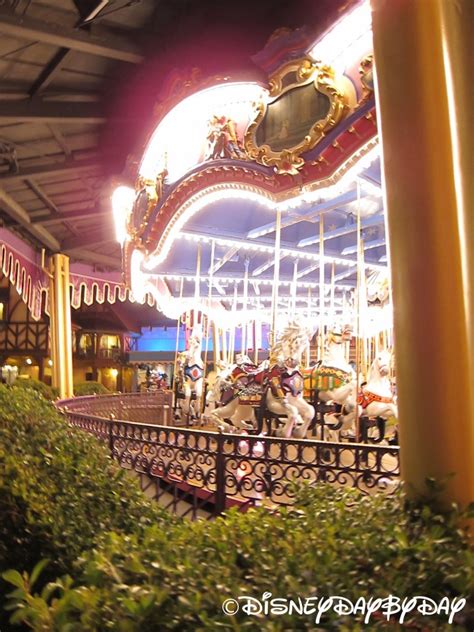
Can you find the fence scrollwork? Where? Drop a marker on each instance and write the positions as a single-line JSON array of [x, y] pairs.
[[211, 470]]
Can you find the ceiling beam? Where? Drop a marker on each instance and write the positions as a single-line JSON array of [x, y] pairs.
[[345, 274], [218, 287], [301, 273], [39, 111], [38, 191], [306, 216], [106, 44], [50, 71], [85, 213], [190, 276], [45, 148], [374, 220], [269, 263], [227, 256], [59, 138], [269, 248], [55, 169], [19, 214], [85, 240], [48, 202], [95, 257], [368, 245], [16, 91]]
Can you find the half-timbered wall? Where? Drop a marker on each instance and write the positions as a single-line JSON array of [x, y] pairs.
[[24, 342]]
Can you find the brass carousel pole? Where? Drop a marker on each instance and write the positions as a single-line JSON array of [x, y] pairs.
[[276, 276], [233, 333], [293, 289], [225, 356], [363, 312], [255, 344], [358, 340], [321, 287], [209, 301], [217, 347], [178, 325], [245, 306], [346, 321], [308, 348], [197, 282], [332, 308]]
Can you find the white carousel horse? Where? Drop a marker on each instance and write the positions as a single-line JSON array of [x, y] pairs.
[[375, 398], [333, 377], [281, 384], [285, 395], [221, 391], [192, 376]]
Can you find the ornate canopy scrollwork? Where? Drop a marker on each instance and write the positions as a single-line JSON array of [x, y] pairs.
[[305, 102]]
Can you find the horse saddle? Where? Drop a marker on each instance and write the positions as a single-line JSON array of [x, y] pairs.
[[285, 382], [247, 373], [193, 372], [326, 378], [365, 398]]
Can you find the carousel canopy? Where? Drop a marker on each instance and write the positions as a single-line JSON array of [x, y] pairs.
[[78, 83], [87, 86]]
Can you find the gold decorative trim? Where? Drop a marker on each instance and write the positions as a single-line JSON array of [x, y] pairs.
[[305, 72], [148, 194]]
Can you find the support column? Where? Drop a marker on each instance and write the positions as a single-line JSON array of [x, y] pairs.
[[416, 54], [60, 325]]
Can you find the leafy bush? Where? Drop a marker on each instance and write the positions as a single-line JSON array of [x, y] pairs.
[[59, 489], [334, 542], [135, 568], [90, 388], [48, 392]]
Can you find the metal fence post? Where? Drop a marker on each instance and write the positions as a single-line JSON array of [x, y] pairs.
[[220, 475], [111, 435]]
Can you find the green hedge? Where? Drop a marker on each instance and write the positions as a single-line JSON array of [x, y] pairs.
[[136, 568], [48, 392], [334, 542], [90, 388], [59, 489]]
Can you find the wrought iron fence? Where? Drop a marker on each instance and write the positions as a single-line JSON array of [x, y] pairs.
[[212, 471], [148, 408]]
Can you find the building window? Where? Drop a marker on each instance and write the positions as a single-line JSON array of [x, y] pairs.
[[3, 304], [86, 345], [109, 347]]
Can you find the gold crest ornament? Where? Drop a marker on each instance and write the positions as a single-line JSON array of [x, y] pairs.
[[305, 102]]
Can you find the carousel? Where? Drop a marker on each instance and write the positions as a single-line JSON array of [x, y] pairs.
[[253, 217]]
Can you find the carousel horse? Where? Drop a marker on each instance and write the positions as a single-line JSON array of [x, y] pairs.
[[375, 398], [331, 382], [375, 401], [191, 377], [221, 392], [277, 388]]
